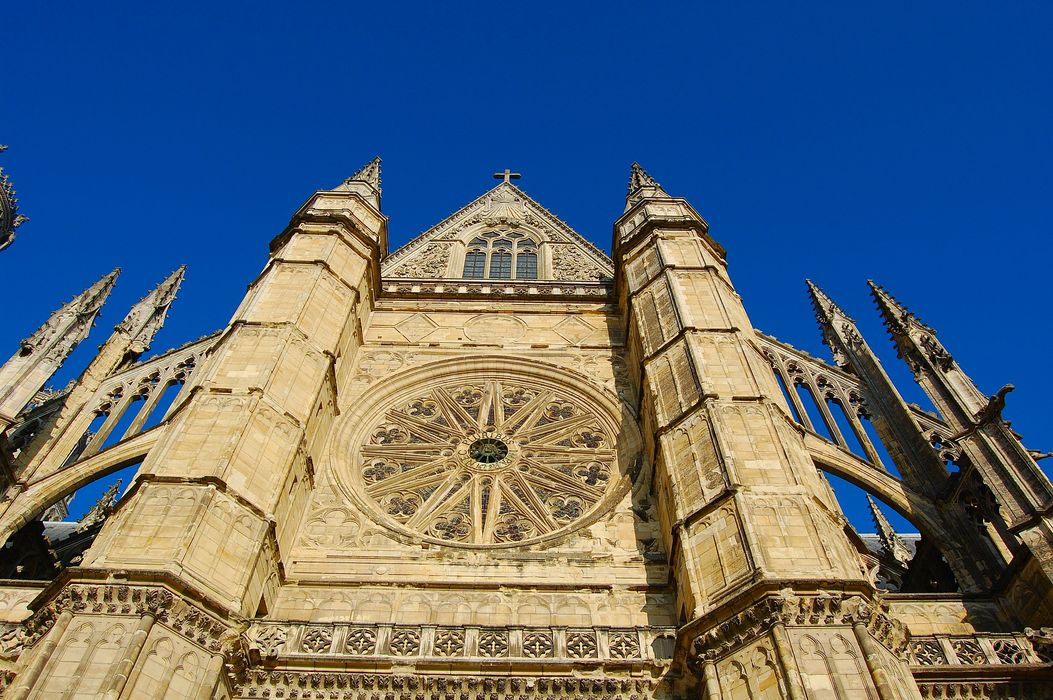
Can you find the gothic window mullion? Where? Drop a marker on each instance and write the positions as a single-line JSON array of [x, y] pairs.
[[444, 495], [531, 413], [534, 500], [425, 475], [493, 509]]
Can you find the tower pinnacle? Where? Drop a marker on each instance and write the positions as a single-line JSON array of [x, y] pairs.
[[148, 315], [366, 182], [641, 186], [825, 307], [896, 316], [70, 324], [369, 174], [889, 539], [10, 219], [39, 355]]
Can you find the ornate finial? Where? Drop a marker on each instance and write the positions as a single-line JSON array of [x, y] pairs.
[[369, 174], [638, 178], [641, 186], [890, 541], [825, 308], [148, 315], [10, 219], [70, 324], [365, 183], [507, 175], [896, 316], [101, 509], [836, 326]]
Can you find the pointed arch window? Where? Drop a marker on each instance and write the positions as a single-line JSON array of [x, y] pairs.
[[497, 255], [474, 264]]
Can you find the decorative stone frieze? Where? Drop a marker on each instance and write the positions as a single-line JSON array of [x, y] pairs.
[[289, 641], [499, 288], [128, 600], [368, 686], [789, 608], [975, 650]]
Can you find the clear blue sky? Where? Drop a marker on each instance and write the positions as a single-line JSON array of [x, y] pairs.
[[907, 142]]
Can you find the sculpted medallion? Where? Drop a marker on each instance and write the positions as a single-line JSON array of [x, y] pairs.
[[487, 461]]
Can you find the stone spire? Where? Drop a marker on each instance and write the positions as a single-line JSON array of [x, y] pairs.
[[146, 317], [995, 453], [641, 186], [890, 541], [102, 507], [837, 327], [826, 310], [896, 316], [366, 182], [42, 353], [10, 219], [70, 324]]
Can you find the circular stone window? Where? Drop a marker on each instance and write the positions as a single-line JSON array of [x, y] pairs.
[[487, 450], [487, 463]]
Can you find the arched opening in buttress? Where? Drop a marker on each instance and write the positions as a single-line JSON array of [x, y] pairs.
[[59, 536], [893, 551]]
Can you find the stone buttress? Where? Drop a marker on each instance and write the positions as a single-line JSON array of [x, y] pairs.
[[770, 595], [196, 547]]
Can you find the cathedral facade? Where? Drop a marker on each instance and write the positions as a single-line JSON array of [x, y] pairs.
[[497, 464]]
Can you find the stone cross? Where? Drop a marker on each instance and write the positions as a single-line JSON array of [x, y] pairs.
[[507, 175]]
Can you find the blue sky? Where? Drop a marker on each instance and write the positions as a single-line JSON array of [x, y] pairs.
[[906, 142]]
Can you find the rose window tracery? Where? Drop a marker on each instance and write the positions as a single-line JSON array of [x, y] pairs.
[[487, 463]]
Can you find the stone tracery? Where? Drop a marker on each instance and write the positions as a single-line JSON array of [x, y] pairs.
[[487, 463]]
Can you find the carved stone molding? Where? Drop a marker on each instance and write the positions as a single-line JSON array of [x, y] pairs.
[[982, 690], [823, 608], [573, 264], [458, 289], [977, 650], [362, 686], [125, 600], [338, 641]]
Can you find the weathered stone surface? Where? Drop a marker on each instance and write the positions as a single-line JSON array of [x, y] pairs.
[[498, 464]]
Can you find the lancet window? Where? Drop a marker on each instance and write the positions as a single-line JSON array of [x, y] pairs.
[[501, 255]]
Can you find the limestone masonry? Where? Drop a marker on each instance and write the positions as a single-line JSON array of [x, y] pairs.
[[497, 464]]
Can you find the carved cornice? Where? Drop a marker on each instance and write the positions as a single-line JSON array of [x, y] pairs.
[[788, 608], [359, 686], [190, 620], [533, 290]]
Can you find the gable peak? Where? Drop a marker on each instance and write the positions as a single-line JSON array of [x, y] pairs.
[[502, 208]]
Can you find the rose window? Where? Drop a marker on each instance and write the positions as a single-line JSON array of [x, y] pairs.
[[489, 463]]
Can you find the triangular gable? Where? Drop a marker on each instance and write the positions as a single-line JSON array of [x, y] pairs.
[[438, 252]]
